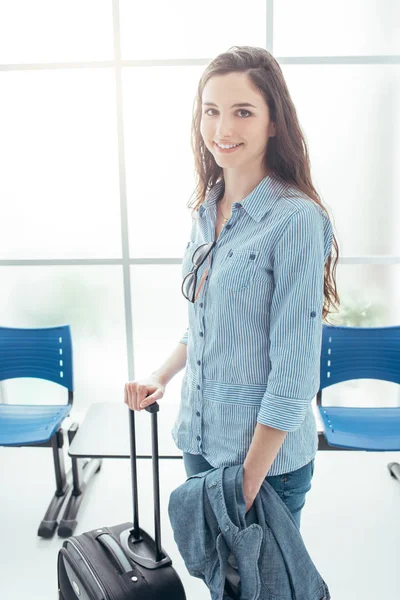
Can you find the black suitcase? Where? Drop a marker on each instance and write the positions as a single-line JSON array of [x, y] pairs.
[[122, 562]]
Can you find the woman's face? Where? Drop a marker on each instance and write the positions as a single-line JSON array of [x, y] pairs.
[[249, 126]]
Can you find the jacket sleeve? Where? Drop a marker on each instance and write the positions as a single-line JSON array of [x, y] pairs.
[[295, 333], [184, 339]]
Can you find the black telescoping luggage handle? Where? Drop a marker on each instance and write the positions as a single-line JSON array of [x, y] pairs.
[[153, 409]]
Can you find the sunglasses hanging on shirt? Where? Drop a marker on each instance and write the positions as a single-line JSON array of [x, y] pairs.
[[190, 281]]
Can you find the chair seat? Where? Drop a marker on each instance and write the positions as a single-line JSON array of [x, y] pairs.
[[375, 429], [26, 424]]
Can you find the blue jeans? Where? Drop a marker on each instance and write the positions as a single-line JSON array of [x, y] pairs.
[[291, 487]]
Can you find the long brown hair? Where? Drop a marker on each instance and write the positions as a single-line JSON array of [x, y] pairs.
[[287, 153]]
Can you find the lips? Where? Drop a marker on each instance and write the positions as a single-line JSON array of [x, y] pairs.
[[227, 150], [228, 144]]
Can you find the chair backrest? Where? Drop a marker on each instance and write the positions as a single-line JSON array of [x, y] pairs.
[[44, 353], [359, 353]]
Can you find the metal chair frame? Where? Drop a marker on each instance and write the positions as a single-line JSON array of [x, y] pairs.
[[35, 353]]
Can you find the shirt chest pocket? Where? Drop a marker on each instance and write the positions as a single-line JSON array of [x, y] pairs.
[[237, 269]]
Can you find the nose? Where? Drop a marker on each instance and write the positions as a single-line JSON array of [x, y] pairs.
[[224, 128]]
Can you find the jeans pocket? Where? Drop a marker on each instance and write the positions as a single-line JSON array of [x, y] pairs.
[[299, 477], [296, 484]]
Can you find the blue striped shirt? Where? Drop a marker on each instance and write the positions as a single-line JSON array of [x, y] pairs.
[[255, 331]]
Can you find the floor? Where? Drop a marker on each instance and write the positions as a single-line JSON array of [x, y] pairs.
[[350, 523]]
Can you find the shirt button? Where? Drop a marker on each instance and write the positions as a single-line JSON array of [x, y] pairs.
[[198, 437], [198, 362], [206, 277], [201, 333], [197, 413], [228, 226], [201, 305], [198, 387], [313, 314]]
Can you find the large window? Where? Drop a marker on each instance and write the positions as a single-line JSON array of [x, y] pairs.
[[96, 100]]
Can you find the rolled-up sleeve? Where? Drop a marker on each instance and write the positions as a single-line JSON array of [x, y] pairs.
[[184, 339], [295, 333]]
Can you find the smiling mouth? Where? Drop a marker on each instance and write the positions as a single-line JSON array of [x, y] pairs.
[[227, 149]]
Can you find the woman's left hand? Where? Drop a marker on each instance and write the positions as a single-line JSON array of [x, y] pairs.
[[250, 491]]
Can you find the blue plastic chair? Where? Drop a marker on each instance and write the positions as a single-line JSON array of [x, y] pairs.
[[350, 353], [44, 353]]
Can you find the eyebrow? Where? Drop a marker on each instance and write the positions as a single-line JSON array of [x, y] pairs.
[[233, 105]]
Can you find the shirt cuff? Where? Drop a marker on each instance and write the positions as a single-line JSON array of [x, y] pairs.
[[184, 339], [286, 414]]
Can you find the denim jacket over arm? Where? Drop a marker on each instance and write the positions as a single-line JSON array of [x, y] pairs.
[[207, 514]]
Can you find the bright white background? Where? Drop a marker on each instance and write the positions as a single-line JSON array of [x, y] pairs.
[[84, 180]]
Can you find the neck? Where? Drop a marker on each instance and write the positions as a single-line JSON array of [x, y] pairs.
[[238, 187], [224, 209], [225, 204]]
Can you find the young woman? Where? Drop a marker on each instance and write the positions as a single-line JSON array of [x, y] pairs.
[[257, 277]]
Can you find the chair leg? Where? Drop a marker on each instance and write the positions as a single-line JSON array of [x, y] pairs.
[[63, 485], [394, 470], [82, 474]]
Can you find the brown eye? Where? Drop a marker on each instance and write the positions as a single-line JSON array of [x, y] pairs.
[[240, 110]]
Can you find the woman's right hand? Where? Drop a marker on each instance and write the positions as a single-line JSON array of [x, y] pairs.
[[146, 390]]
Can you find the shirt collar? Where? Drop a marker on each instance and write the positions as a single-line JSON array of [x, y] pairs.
[[256, 204]]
